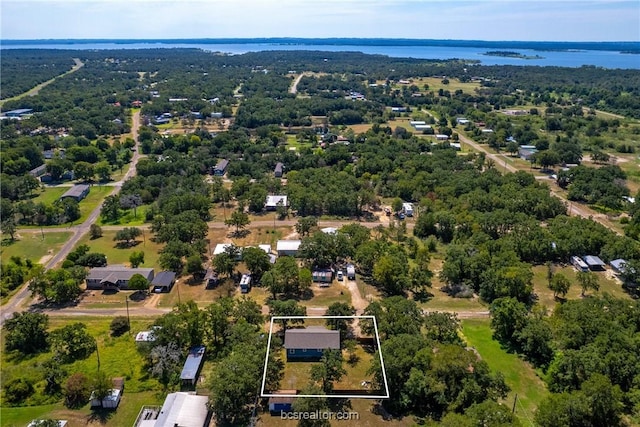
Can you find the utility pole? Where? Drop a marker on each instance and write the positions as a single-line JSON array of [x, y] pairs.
[[126, 300], [515, 399]]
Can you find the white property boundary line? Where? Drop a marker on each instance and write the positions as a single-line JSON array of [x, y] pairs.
[[343, 396]]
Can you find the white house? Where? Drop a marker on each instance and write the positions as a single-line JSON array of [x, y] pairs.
[[288, 247], [272, 202]]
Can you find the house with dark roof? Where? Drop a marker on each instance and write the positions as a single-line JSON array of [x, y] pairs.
[[115, 276], [310, 342], [221, 167], [192, 366], [77, 192], [163, 281], [277, 171], [39, 171]]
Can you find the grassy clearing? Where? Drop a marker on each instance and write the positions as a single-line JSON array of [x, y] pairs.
[[32, 245], [48, 195], [119, 357], [435, 84], [116, 255], [94, 198], [324, 297], [519, 375], [128, 219], [292, 142], [545, 295]]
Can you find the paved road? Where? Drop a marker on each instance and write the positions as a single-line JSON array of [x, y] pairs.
[[19, 300], [574, 209], [34, 91]]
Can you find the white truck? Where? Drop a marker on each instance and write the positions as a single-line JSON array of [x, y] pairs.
[[351, 272]]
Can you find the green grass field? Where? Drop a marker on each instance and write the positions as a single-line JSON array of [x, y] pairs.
[[115, 255], [32, 245], [118, 358], [518, 374], [129, 219]]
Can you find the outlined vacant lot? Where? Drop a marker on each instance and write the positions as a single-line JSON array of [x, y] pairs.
[[384, 395]]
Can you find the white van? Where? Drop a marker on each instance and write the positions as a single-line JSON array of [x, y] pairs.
[[340, 276]]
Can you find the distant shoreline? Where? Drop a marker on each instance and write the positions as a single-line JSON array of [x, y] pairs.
[[620, 46], [509, 54]]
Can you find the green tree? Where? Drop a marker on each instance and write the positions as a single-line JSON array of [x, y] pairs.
[[72, 342], [289, 307], [194, 265], [286, 275], [225, 263], [110, 208], [395, 316], [26, 332], [390, 273], [329, 370], [103, 170], [53, 374], [17, 390], [305, 224], [8, 226], [588, 281], [77, 391], [95, 231], [311, 405], [342, 325], [508, 316], [559, 285], [84, 171], [101, 385], [136, 259], [138, 283], [165, 362], [257, 262], [119, 325], [443, 327], [239, 220], [127, 235]]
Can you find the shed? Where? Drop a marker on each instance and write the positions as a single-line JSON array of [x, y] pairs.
[[417, 122], [221, 248], [77, 192], [288, 247], [221, 167], [39, 171], [422, 127], [310, 342], [192, 366], [266, 248], [329, 230], [164, 281], [278, 170], [594, 262], [110, 401], [442, 137], [277, 404], [618, 265]]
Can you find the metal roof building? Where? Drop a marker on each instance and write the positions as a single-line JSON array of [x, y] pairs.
[[191, 368], [77, 192]]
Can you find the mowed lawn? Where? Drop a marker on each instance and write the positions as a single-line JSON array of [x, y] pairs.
[[518, 374], [32, 245], [118, 255]]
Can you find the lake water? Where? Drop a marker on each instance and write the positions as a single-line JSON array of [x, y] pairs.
[[571, 58]]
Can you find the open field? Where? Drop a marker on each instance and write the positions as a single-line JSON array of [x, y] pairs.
[[435, 84], [118, 358], [117, 255], [48, 195], [518, 374], [129, 219], [545, 295], [33, 246]]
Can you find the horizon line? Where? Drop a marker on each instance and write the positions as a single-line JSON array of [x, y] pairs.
[[310, 38]]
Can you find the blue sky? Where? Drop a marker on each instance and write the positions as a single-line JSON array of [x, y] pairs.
[[548, 20]]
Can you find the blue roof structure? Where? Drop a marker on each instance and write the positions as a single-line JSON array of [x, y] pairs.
[[593, 261], [619, 264], [192, 364]]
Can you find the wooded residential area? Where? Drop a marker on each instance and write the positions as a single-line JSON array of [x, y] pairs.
[[487, 216]]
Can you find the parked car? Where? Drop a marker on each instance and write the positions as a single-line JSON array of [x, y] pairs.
[[340, 276]]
